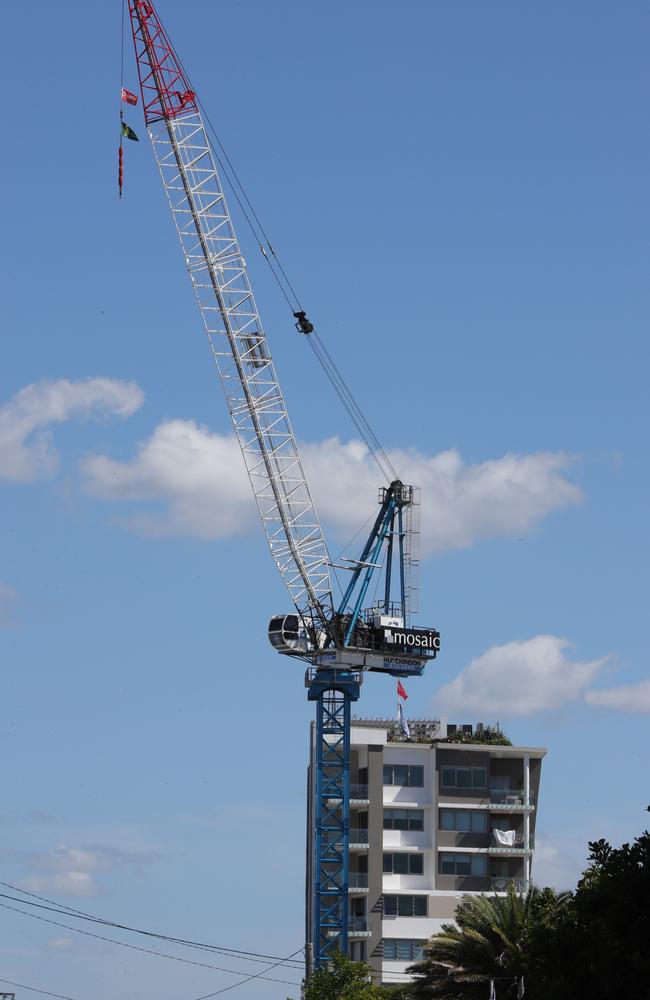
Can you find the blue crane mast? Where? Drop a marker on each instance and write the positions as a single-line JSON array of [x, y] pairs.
[[339, 641]]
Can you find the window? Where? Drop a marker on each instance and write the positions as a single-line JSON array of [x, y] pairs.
[[403, 950], [405, 906], [464, 777], [403, 864], [358, 951], [463, 864], [463, 820], [409, 775], [403, 819]]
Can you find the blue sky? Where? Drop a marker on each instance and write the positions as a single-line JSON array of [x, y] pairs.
[[459, 192]]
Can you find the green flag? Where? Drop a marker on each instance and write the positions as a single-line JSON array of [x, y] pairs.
[[128, 132]]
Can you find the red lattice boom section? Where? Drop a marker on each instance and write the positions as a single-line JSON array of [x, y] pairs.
[[164, 87]]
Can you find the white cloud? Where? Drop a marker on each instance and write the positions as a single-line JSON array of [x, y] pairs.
[[61, 944], [26, 450], [519, 678], [63, 884], [71, 871], [87, 859], [632, 698], [559, 866], [199, 479], [8, 598], [461, 504]]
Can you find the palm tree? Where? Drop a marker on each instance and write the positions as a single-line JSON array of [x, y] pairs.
[[487, 942]]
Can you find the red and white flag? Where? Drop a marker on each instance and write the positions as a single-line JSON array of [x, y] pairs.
[[400, 691], [128, 97]]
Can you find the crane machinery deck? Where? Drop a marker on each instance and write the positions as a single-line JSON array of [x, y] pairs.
[[339, 641]]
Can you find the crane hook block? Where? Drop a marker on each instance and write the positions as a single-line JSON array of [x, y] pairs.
[[303, 325]]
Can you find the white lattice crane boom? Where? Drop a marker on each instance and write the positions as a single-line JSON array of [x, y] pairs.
[[230, 316], [339, 643]]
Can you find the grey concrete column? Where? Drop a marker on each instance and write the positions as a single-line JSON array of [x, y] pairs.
[[375, 854], [434, 817], [527, 814]]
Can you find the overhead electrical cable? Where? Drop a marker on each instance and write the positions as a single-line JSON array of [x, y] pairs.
[[242, 982], [149, 951], [62, 909], [33, 989]]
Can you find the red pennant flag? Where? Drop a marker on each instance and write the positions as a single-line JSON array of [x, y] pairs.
[[128, 97], [400, 691]]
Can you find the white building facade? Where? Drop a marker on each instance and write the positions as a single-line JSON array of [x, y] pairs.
[[431, 820]]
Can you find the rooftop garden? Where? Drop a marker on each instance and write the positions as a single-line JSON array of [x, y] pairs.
[[489, 735], [429, 733]]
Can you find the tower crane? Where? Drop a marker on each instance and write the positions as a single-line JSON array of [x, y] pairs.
[[339, 641]]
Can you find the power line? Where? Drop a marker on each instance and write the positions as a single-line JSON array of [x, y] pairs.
[[258, 975], [148, 951], [33, 989], [61, 908]]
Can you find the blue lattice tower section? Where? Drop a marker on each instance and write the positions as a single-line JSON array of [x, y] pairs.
[[334, 691]]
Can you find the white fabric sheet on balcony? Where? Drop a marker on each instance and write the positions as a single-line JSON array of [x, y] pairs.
[[505, 838]]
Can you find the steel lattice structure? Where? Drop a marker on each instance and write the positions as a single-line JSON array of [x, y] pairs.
[[230, 316], [334, 692], [339, 644]]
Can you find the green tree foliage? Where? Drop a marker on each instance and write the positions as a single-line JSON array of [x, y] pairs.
[[489, 941], [343, 980], [490, 735], [593, 944], [600, 949]]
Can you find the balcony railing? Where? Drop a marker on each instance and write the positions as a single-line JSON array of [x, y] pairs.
[[358, 925], [356, 792], [358, 880], [500, 884], [510, 798], [517, 846], [358, 836]]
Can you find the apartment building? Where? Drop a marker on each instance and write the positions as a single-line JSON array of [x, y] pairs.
[[431, 819]]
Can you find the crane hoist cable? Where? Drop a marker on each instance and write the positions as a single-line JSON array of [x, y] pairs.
[[354, 410], [289, 293]]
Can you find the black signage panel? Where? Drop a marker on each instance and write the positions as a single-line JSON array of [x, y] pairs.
[[413, 638]]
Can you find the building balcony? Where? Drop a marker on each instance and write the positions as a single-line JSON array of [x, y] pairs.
[[358, 927], [358, 837], [358, 796], [500, 884], [358, 882], [512, 798], [517, 847]]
